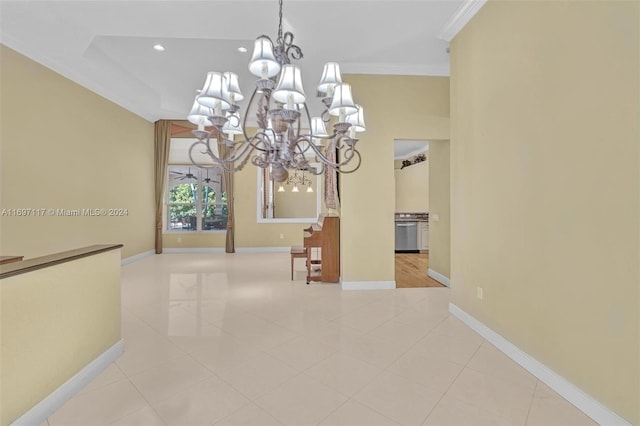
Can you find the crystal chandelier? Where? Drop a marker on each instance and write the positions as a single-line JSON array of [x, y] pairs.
[[287, 137]]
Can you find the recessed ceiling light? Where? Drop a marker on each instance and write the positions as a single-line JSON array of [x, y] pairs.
[[159, 47], [242, 49]]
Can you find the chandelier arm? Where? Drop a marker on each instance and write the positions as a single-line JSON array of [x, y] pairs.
[[207, 150], [243, 162], [349, 153], [346, 172], [298, 145], [317, 171], [306, 112], [259, 162], [310, 144], [241, 151], [243, 154], [263, 139], [323, 158], [222, 162], [325, 116], [290, 50], [348, 150], [228, 164]]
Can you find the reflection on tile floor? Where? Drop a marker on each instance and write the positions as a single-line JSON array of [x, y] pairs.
[[218, 339]]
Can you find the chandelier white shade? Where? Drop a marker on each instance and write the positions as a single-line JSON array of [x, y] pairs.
[[289, 89], [263, 62], [235, 94], [318, 129], [287, 138], [330, 77], [342, 102], [199, 115], [357, 120], [215, 93]]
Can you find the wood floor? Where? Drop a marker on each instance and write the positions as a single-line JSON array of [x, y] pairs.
[[411, 271]]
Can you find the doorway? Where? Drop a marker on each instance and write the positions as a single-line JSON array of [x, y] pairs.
[[422, 193]]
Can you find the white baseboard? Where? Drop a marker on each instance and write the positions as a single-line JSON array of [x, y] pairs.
[[137, 257], [584, 402], [173, 250], [368, 285], [438, 277], [222, 250], [263, 249], [38, 413]]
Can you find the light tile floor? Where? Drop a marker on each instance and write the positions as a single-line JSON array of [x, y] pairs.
[[217, 339]]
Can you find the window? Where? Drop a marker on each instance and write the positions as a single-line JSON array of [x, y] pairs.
[[196, 199]]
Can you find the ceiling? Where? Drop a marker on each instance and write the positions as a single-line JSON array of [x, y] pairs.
[[404, 149], [107, 46]]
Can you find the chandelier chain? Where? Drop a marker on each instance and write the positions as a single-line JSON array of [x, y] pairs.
[[279, 40]]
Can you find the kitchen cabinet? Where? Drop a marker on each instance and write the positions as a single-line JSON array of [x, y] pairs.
[[423, 236]]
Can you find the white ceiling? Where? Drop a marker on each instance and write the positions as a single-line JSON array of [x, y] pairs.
[[106, 45], [404, 148]]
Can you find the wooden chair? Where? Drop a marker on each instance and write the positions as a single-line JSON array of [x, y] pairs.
[[298, 252]]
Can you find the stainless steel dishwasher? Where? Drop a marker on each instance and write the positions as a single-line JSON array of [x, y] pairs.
[[407, 236]]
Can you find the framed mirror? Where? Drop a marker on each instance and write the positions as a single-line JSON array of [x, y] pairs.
[[298, 200]]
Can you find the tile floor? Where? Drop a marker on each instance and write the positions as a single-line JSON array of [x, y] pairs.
[[216, 339]]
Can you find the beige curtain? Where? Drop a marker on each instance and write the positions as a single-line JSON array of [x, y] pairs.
[[162, 139], [230, 246]]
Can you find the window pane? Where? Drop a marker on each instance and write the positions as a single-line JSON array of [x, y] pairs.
[[182, 217], [195, 199], [184, 193], [208, 195], [214, 217]]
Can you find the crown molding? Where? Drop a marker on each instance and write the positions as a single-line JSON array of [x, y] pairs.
[[457, 22]]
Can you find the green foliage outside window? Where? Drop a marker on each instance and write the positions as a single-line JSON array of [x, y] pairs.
[[183, 199]]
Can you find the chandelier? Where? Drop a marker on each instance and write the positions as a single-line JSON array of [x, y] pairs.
[[287, 137], [296, 180]]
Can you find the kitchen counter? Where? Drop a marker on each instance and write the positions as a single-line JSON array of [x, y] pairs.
[[412, 217]]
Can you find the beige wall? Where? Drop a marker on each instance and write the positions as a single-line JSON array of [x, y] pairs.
[[55, 321], [439, 205], [412, 188], [545, 186], [64, 147], [396, 107]]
